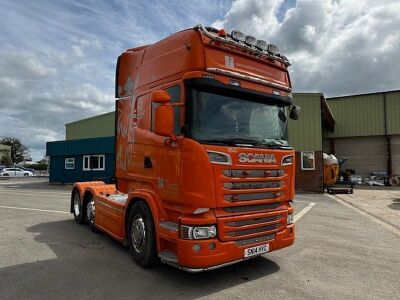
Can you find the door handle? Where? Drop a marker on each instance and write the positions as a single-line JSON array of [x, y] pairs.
[[147, 163]]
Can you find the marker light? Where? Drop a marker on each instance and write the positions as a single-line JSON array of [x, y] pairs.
[[222, 32], [290, 219], [273, 49], [262, 45], [237, 36], [250, 40]]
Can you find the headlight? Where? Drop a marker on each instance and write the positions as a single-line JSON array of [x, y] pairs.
[[290, 219], [198, 233], [287, 160], [219, 158]]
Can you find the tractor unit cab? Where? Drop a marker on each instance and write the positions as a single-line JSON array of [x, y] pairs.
[[205, 174]]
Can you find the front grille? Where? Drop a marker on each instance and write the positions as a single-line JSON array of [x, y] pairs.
[[245, 185], [253, 173], [253, 221], [254, 230], [251, 196], [258, 239], [248, 208]]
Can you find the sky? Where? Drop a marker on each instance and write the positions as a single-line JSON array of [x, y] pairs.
[[57, 58]]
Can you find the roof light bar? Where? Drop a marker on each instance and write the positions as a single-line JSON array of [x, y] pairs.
[[238, 36], [250, 40], [262, 45], [273, 49], [238, 39]]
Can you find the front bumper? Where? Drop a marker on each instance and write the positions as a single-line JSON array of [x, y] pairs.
[[224, 253]]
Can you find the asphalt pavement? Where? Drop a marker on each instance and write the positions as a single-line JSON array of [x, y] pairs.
[[338, 253]]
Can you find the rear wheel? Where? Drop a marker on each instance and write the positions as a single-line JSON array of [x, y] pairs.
[[141, 235], [77, 207], [26, 174], [91, 213]]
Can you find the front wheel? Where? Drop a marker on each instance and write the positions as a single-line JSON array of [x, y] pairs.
[[141, 235], [77, 208]]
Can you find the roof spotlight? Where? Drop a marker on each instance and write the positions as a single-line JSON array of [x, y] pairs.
[[284, 58], [250, 40], [273, 49], [262, 45], [237, 36]]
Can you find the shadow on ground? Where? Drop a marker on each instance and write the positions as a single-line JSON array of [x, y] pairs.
[[395, 205], [95, 266]]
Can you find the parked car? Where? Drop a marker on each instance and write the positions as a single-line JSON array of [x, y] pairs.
[[15, 172], [27, 169]]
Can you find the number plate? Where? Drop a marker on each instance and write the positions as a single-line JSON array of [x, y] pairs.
[[256, 250]]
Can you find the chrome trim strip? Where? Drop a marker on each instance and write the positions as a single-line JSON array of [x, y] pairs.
[[228, 157], [287, 164], [249, 78], [171, 226], [199, 270], [242, 46]]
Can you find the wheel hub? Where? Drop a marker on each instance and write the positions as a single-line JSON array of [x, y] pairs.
[[138, 234], [76, 205], [90, 212]]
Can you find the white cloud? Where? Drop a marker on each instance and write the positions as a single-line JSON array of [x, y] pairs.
[[336, 47]]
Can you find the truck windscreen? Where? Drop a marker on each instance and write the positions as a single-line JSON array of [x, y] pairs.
[[221, 119]]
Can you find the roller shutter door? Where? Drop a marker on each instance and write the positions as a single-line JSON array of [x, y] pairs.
[[396, 154], [364, 154]]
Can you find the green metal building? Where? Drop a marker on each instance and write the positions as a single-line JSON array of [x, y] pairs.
[[365, 129], [367, 132]]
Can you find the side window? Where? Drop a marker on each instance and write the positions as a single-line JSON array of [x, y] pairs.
[[175, 93]]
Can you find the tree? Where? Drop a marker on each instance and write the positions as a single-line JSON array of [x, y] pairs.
[[19, 152], [5, 161]]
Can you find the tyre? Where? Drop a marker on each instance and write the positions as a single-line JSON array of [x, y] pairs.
[[91, 213], [77, 208], [141, 235], [6, 174], [26, 174]]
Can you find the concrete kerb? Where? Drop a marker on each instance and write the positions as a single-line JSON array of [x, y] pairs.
[[378, 220]]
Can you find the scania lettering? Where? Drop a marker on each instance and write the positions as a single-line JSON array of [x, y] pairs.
[[204, 175]]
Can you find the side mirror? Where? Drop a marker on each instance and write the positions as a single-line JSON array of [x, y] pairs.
[[160, 96], [164, 121], [295, 112]]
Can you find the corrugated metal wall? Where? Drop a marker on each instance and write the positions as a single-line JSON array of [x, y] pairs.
[[358, 115], [306, 133], [364, 115], [393, 112], [98, 126]]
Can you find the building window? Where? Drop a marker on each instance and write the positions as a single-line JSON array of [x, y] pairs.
[[70, 163], [307, 160], [94, 162], [86, 163]]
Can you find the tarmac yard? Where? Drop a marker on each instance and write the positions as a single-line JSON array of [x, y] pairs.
[[340, 252]]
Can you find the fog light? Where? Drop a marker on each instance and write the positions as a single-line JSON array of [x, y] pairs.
[[211, 246], [196, 247], [290, 219]]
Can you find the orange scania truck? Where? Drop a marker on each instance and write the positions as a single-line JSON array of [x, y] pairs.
[[204, 173]]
